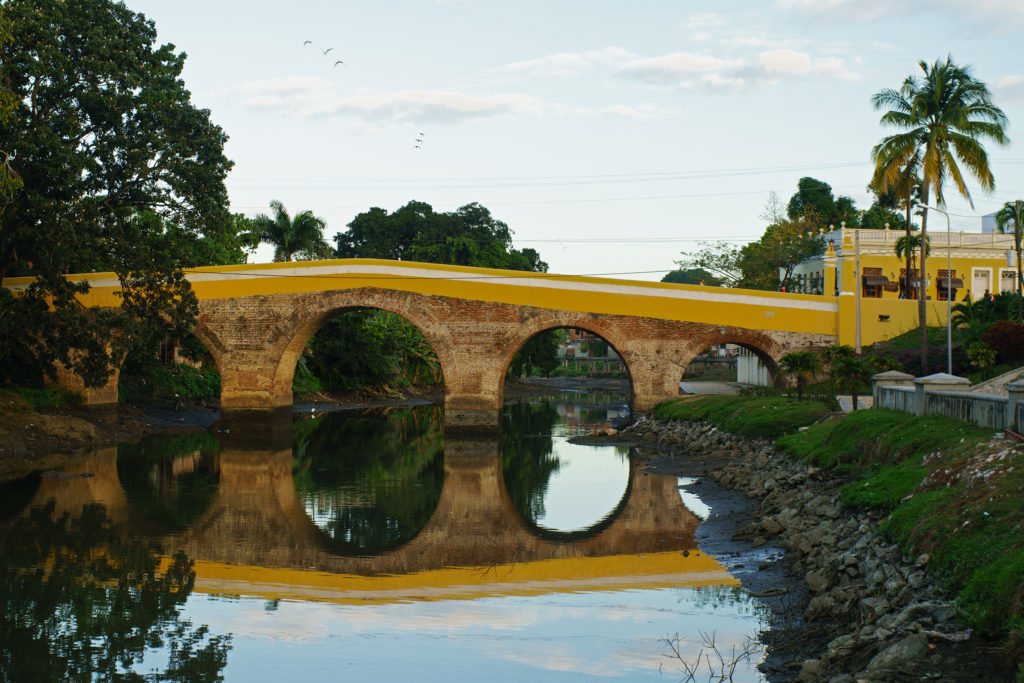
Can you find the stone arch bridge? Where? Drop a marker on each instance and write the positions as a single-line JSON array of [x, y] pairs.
[[256, 320]]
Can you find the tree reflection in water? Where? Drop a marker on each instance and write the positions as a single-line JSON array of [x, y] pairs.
[[79, 602], [528, 458], [371, 480]]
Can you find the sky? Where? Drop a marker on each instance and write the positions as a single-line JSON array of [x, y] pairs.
[[610, 137]]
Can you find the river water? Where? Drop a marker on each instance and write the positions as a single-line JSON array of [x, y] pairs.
[[369, 548]]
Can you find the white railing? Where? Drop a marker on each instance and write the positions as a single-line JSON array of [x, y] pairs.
[[926, 397]]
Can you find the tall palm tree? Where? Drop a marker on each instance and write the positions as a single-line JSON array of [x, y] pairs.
[[801, 366], [301, 238], [1013, 213], [941, 118], [851, 373]]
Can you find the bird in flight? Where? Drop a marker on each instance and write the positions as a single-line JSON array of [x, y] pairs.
[[307, 42], [328, 50], [338, 62]]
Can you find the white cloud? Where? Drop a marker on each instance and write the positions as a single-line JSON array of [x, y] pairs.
[[676, 68], [688, 70], [791, 63], [567, 63], [310, 97], [432, 106]]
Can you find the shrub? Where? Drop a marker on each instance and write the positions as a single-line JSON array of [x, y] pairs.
[[1007, 339]]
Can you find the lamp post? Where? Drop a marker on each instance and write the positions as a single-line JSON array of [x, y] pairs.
[[949, 288]]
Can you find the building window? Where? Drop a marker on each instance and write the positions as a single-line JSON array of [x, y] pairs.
[[872, 283], [1007, 281], [948, 284]]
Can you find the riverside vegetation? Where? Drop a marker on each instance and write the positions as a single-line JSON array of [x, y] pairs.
[[906, 532]]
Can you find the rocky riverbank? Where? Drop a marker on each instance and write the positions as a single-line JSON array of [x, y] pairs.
[[863, 611]]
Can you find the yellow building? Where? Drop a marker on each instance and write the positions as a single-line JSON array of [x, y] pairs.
[[976, 263]]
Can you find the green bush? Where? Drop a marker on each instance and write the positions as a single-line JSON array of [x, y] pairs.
[[176, 380]]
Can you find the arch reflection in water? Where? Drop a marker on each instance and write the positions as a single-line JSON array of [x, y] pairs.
[[557, 485], [170, 480], [371, 479]]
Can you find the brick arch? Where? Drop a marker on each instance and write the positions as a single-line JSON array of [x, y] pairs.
[[299, 327], [553, 320], [212, 342], [763, 345]]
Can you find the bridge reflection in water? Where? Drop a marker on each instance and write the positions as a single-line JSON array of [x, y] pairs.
[[255, 537]]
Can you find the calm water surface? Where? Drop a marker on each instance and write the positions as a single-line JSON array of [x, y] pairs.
[[367, 548]]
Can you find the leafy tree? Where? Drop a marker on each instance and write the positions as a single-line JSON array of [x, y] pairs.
[[539, 355], [468, 236], [801, 366], [301, 238], [691, 276], [1012, 214], [882, 214], [814, 201], [115, 170], [942, 119], [371, 348]]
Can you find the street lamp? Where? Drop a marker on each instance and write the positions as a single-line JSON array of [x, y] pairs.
[[949, 288]]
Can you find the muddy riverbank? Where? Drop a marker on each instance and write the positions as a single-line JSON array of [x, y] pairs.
[[846, 604]]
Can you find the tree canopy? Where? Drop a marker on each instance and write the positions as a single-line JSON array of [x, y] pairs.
[[116, 170], [691, 276], [468, 236], [813, 202]]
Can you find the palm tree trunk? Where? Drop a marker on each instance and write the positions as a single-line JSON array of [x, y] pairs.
[[922, 310], [910, 252], [1018, 231]]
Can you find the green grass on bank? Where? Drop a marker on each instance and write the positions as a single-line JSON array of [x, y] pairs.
[[947, 492], [44, 398], [755, 416]]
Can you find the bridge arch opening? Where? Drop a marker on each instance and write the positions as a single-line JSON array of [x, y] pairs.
[[567, 351], [729, 358], [357, 348]]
